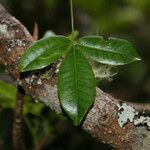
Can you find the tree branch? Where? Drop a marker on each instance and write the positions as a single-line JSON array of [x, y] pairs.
[[110, 120]]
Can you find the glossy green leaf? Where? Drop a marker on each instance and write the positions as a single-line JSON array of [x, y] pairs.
[[76, 85], [44, 52], [112, 51]]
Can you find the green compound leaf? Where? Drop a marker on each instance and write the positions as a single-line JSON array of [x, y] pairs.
[[112, 51], [44, 52], [76, 85]]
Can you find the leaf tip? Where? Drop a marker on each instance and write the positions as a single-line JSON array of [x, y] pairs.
[[138, 58]]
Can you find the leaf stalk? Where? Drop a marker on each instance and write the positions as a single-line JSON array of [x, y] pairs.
[[72, 15]]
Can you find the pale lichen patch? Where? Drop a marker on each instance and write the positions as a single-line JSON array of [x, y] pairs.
[[15, 42], [4, 31], [9, 49], [30, 79], [39, 81], [19, 82], [127, 113], [143, 121]]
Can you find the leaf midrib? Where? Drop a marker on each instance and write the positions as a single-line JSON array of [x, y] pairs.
[[104, 50], [63, 45], [76, 79], [51, 49]]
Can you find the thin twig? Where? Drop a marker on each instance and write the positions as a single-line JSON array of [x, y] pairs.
[[35, 32], [17, 124]]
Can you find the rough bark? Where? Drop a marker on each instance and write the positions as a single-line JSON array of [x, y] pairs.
[[102, 121]]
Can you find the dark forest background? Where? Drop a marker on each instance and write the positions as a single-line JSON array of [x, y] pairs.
[[127, 19]]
